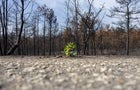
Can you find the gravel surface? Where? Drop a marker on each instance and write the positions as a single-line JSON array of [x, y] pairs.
[[84, 73]]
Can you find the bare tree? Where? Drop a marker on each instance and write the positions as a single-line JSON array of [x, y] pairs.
[[54, 33], [15, 11], [34, 29], [37, 26], [89, 20], [1, 40], [4, 24], [67, 4], [48, 19], [91, 24], [74, 8], [22, 7], [44, 11], [51, 20], [127, 12]]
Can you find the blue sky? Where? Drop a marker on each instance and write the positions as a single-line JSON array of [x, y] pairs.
[[59, 7]]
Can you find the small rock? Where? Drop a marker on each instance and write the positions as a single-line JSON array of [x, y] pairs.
[[118, 87], [28, 69], [103, 69], [59, 56]]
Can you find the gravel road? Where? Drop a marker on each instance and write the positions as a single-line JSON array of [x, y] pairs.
[[84, 73]]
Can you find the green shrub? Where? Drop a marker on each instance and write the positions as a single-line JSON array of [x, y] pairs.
[[69, 49]]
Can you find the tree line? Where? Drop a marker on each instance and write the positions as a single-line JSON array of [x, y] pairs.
[[27, 28]]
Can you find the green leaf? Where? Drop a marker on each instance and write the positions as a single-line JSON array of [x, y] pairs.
[[69, 49]]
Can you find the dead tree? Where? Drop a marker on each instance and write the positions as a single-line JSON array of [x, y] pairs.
[[91, 24], [4, 25], [22, 7], [127, 12], [51, 20], [74, 10], [67, 4], [44, 11]]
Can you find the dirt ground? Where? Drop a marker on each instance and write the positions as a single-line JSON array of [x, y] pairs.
[[81, 73]]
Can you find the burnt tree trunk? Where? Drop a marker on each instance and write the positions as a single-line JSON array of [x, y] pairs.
[[16, 45]]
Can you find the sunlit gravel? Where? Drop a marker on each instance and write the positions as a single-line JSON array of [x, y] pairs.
[[78, 73]]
